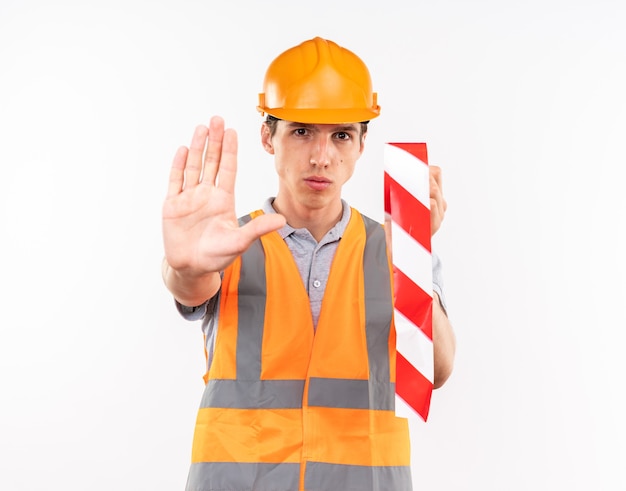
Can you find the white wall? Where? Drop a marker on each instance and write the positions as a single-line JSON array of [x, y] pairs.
[[521, 103]]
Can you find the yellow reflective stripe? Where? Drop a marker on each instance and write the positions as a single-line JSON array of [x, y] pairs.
[[248, 435]]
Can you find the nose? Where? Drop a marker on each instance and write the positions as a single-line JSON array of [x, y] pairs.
[[321, 152]]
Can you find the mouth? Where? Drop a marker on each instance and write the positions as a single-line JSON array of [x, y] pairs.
[[317, 183]]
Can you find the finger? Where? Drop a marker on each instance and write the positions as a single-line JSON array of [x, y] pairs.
[[438, 207], [213, 153], [437, 200], [228, 164], [257, 227], [193, 167], [437, 203], [261, 225], [436, 217], [436, 191], [435, 172], [177, 172]]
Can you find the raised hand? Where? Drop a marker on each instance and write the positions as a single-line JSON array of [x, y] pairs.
[[200, 229]]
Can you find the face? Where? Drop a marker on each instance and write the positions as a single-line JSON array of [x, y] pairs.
[[313, 161]]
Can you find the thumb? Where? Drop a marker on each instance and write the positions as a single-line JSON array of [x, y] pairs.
[[263, 224]]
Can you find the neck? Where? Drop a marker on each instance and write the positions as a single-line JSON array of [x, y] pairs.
[[318, 221]]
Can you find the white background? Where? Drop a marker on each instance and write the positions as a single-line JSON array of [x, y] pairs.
[[523, 105]]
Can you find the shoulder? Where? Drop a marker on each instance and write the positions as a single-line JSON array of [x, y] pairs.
[[371, 225]]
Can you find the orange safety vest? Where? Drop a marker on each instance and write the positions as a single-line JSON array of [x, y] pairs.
[[288, 407]]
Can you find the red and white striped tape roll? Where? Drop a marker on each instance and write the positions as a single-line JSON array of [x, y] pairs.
[[407, 205]]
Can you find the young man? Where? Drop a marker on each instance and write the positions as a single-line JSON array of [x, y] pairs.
[[295, 298]]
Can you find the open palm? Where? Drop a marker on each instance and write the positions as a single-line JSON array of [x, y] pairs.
[[200, 229]]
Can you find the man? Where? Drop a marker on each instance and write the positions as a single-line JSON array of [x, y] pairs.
[[295, 298]]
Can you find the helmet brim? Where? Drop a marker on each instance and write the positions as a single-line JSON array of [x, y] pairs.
[[322, 116]]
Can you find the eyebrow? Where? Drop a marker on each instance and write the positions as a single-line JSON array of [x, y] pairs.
[[341, 127]]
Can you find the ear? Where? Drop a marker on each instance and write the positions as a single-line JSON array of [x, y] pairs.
[[266, 139]]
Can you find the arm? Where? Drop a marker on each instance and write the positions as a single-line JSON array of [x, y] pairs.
[[444, 344], [444, 341], [201, 234]]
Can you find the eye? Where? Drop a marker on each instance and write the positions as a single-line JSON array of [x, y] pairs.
[[342, 135], [300, 132]]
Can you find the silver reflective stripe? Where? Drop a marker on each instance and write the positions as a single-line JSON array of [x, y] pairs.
[[252, 291], [378, 314], [220, 476], [339, 392], [338, 477], [253, 394], [350, 394]]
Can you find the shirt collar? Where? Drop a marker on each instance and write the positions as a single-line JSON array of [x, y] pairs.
[[333, 234]]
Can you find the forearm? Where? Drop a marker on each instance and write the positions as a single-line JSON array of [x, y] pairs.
[[190, 290], [444, 344]]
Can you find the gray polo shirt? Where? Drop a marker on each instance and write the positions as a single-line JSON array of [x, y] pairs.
[[313, 260]]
